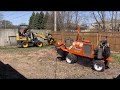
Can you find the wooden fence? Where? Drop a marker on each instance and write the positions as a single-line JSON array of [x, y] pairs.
[[94, 37]]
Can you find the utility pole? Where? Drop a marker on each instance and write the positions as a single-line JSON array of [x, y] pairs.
[[55, 21]]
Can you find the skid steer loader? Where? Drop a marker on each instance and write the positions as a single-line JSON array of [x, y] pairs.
[[25, 37]]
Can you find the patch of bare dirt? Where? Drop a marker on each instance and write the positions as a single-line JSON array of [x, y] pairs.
[[42, 64]]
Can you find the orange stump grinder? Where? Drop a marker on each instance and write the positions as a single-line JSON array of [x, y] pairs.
[[85, 49]]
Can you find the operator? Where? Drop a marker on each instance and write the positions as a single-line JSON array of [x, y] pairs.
[[100, 50], [25, 33], [104, 42]]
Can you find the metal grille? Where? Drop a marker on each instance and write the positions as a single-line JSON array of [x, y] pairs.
[[87, 49]]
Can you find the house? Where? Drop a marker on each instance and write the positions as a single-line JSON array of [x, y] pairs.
[[108, 25]]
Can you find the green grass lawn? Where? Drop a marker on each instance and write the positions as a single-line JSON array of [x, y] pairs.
[[20, 50], [116, 57]]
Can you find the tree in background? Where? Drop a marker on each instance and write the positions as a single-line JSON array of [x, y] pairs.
[[32, 20], [60, 20], [107, 20], [114, 20], [41, 20], [5, 24], [76, 18], [68, 20], [36, 21], [46, 17], [1, 16], [50, 21]]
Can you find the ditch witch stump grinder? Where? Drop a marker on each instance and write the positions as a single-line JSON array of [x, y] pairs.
[[84, 48]]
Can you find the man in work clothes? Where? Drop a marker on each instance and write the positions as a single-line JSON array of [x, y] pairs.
[[103, 51]]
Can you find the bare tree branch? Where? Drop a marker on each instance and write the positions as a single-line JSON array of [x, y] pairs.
[[96, 19], [115, 21]]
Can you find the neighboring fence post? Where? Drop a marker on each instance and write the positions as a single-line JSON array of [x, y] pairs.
[[97, 38], [9, 40], [83, 36], [62, 35]]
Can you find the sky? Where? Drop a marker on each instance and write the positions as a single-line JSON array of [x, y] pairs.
[[17, 17]]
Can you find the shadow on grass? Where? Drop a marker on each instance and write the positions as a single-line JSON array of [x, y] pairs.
[[8, 72]]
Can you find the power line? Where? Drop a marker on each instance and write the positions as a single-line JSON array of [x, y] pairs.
[[19, 16], [9, 15], [16, 18]]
